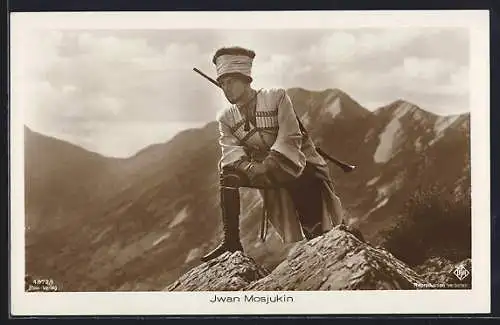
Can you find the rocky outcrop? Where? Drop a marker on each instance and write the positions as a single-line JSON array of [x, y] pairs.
[[444, 273], [229, 272], [335, 261], [339, 261]]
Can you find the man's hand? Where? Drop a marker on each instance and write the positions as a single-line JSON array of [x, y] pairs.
[[258, 174], [256, 170], [263, 174], [250, 168], [275, 163]]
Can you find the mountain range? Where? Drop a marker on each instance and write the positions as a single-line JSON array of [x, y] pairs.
[[95, 223]]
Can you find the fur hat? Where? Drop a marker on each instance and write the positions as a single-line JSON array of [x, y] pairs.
[[234, 60]]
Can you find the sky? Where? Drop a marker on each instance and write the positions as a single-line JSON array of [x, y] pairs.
[[117, 91]]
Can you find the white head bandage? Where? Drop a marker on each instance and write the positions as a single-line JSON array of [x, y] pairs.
[[234, 63], [234, 60]]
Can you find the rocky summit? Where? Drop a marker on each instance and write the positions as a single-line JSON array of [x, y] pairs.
[[228, 272], [97, 223], [335, 261]]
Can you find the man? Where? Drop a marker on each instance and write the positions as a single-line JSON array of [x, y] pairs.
[[263, 147]]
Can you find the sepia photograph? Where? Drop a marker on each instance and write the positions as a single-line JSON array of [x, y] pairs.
[[225, 163]]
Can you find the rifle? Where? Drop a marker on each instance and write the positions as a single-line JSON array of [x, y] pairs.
[[343, 165]]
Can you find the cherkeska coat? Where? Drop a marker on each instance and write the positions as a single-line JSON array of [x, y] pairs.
[[276, 128]]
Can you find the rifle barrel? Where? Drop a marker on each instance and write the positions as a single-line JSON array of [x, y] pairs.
[[345, 166], [207, 77]]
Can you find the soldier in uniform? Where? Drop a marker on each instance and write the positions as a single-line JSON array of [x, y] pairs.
[[263, 147]]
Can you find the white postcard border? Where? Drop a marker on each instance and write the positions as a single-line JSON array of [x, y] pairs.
[[328, 302]]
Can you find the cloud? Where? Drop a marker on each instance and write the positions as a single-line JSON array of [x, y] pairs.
[[37, 52], [429, 69], [91, 88], [275, 71], [435, 84], [112, 48], [124, 76], [390, 40], [346, 46], [423, 65], [79, 82], [334, 49], [458, 82], [429, 76], [173, 57]]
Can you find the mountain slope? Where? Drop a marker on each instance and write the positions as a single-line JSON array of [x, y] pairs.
[[154, 214]]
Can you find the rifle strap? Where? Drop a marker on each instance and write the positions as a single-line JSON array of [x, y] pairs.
[[304, 131], [301, 126]]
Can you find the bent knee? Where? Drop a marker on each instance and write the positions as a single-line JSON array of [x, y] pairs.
[[232, 178]]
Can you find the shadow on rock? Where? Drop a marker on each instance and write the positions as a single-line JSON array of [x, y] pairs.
[[228, 272], [337, 260]]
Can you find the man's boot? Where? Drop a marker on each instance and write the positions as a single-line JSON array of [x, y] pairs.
[[313, 232], [230, 208]]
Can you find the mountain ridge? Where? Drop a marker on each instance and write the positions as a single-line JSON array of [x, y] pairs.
[[332, 92], [155, 213]]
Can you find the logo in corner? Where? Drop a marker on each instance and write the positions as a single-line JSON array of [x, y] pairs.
[[461, 272]]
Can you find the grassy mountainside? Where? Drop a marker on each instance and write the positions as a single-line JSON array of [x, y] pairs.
[[97, 223]]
